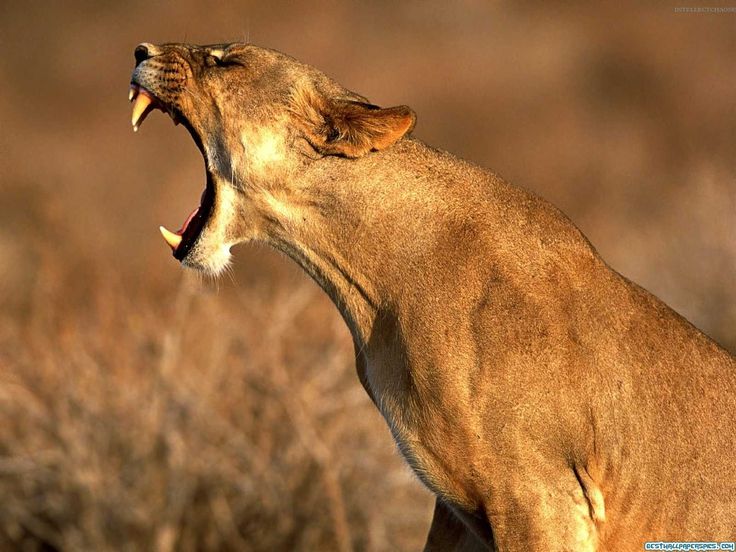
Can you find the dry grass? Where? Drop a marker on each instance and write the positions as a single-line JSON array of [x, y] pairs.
[[142, 410], [195, 427]]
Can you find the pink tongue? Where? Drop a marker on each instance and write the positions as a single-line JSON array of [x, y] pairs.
[[181, 230]]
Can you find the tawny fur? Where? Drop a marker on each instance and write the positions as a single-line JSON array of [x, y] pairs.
[[548, 402]]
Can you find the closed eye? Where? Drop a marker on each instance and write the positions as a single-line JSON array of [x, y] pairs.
[[219, 59]]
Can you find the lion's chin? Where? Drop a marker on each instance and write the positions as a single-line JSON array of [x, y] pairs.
[[210, 252], [213, 264]]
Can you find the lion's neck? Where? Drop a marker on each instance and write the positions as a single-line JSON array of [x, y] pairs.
[[341, 225], [351, 287]]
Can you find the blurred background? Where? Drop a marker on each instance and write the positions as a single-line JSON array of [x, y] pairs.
[[143, 408]]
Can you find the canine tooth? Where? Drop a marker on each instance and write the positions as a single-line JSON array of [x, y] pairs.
[[172, 239], [142, 101], [131, 94]]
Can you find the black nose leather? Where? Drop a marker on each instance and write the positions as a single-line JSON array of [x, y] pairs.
[[142, 53]]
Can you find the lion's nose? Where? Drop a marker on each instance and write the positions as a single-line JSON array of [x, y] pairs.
[[144, 51]]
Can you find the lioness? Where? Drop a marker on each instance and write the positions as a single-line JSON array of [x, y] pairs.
[[548, 402]]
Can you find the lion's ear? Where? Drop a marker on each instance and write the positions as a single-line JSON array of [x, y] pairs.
[[350, 128]]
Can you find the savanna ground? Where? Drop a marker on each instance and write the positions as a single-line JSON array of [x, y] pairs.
[[141, 408]]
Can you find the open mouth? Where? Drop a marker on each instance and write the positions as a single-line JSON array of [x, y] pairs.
[[181, 241]]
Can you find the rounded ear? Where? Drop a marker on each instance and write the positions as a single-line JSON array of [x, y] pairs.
[[350, 128]]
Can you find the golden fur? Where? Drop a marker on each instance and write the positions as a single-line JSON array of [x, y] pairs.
[[548, 402]]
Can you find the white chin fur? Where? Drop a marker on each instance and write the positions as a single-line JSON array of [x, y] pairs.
[[211, 253], [214, 263]]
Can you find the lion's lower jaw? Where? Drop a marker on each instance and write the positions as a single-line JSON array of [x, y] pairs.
[[211, 264]]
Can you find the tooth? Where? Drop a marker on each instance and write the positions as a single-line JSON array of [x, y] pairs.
[[131, 94], [172, 239], [142, 101]]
